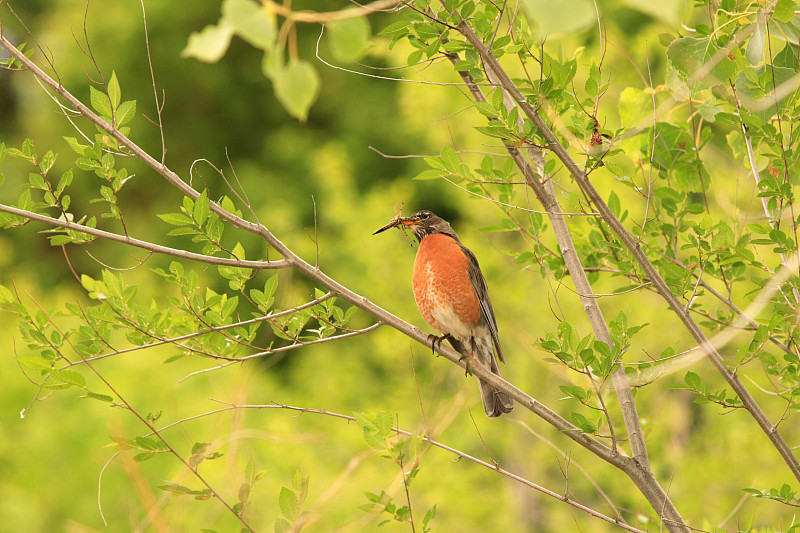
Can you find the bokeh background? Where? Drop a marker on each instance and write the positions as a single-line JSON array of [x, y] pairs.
[[324, 177]]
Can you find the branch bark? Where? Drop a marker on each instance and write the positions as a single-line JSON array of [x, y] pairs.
[[149, 246]]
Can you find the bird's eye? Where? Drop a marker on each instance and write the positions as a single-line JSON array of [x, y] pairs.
[[423, 215]]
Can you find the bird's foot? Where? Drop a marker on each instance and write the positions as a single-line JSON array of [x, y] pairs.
[[434, 339], [468, 367]]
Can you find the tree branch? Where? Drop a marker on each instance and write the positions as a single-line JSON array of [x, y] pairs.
[[155, 248]]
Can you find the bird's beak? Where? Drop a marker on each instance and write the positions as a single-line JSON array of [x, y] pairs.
[[396, 221]]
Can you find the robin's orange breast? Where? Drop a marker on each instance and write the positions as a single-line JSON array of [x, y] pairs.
[[442, 288]]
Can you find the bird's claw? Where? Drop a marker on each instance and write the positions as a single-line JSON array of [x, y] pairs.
[[433, 339], [468, 367]]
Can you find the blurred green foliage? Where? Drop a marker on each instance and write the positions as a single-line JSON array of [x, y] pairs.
[[322, 186]]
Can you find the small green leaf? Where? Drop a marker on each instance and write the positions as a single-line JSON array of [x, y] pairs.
[[176, 488], [114, 93], [430, 174], [784, 10], [6, 296], [582, 423], [754, 53], [486, 109], [297, 87], [100, 397], [348, 38], [251, 21], [288, 503], [100, 102], [34, 362], [36, 181], [396, 27], [202, 208], [175, 219], [282, 526], [693, 380], [210, 44], [125, 112], [69, 377], [64, 182]]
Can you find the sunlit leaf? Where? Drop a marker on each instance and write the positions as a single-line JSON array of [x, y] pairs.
[[210, 44], [251, 21], [348, 38], [297, 87]]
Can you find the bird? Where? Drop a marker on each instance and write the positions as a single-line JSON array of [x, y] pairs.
[[452, 296]]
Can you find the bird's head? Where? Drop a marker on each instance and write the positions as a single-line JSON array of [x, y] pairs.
[[422, 223]]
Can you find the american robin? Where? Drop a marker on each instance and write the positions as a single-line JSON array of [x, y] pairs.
[[452, 296]]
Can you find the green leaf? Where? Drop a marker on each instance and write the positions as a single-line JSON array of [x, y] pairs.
[[34, 362], [114, 92], [395, 27], [614, 204], [693, 380], [754, 53], [176, 219], [486, 109], [77, 147], [251, 22], [784, 10], [210, 44], [202, 208], [99, 397], [125, 112], [282, 526], [450, 159], [297, 87], [176, 488], [69, 377], [100, 102], [582, 423], [64, 182], [549, 15], [348, 38], [36, 181], [288, 503], [6, 296], [700, 62]]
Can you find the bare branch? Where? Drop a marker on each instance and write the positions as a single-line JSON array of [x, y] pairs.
[[156, 248]]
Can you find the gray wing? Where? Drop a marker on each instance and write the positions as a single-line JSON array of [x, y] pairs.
[[482, 292]]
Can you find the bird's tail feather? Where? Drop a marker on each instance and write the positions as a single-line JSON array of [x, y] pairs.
[[495, 403]]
